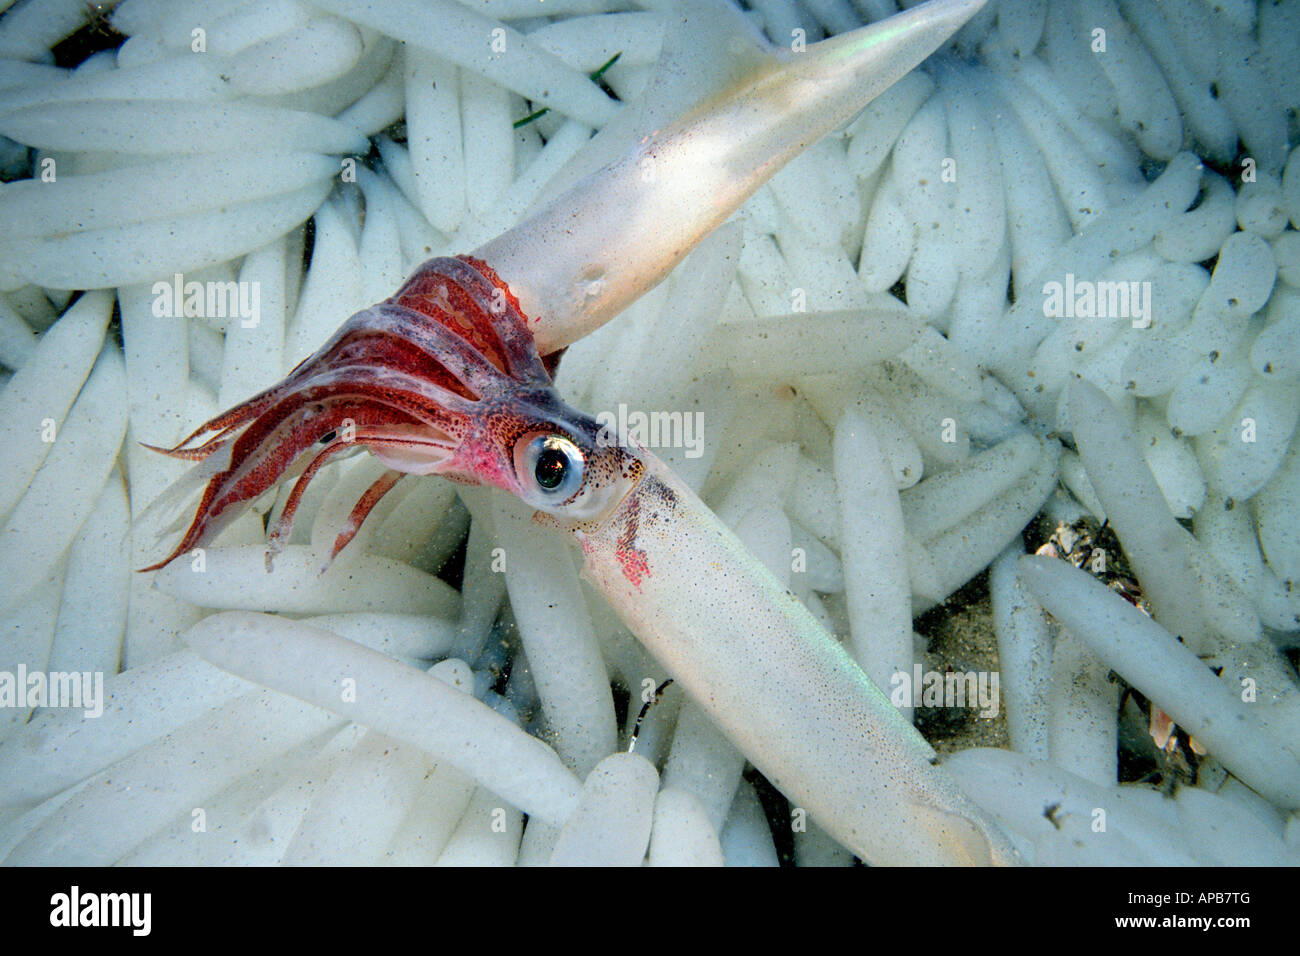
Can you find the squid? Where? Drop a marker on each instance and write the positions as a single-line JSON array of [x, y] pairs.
[[452, 376]]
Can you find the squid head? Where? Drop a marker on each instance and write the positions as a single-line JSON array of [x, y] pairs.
[[443, 378]]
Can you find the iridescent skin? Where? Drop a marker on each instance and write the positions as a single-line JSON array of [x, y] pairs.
[[445, 378], [780, 687]]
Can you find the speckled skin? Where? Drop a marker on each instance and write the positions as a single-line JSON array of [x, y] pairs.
[[780, 687], [442, 378]]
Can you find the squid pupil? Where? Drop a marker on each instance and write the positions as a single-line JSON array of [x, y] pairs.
[[327, 438], [552, 465]]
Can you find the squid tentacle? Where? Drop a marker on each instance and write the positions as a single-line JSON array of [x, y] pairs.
[[421, 380], [470, 366]]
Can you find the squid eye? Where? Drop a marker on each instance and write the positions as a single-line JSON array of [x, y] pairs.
[[552, 466]]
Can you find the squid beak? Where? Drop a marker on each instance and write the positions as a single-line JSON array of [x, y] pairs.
[[617, 232]]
